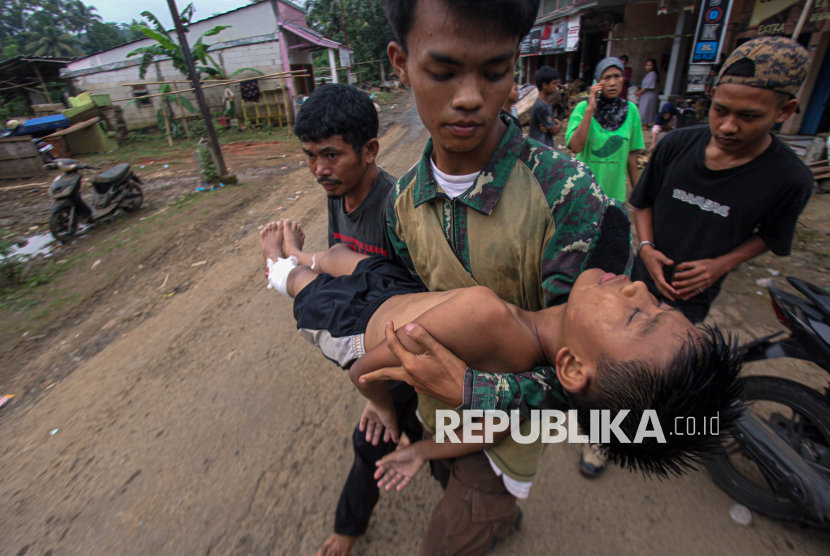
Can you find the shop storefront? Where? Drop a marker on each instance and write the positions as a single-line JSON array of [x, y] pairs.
[[688, 38], [550, 44]]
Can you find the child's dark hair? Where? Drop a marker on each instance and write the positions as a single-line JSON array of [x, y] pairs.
[[545, 75], [513, 16], [699, 383], [337, 109]]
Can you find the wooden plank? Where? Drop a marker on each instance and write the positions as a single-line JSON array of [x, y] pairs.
[[77, 127]]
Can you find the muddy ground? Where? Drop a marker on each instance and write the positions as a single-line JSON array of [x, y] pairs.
[[190, 418]]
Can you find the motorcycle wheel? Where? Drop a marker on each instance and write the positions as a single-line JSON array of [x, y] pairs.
[[807, 430], [133, 198], [61, 224]]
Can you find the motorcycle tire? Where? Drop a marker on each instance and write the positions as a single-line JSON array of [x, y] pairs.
[[807, 403], [61, 225], [133, 198]]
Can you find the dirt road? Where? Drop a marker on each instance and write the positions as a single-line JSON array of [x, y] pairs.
[[200, 423]]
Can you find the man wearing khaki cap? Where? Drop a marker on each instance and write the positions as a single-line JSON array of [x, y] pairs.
[[712, 197]]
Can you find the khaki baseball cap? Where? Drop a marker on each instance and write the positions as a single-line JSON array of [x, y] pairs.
[[776, 63]]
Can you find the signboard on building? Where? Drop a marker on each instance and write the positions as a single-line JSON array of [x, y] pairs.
[[530, 46], [346, 60], [552, 37], [780, 17], [711, 26], [572, 37], [698, 78]]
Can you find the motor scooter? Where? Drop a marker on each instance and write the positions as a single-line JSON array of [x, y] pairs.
[[116, 188], [776, 459]]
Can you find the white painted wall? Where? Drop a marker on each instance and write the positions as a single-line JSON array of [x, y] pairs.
[[255, 22], [263, 56], [250, 21]]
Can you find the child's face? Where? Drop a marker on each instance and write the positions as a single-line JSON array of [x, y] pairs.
[[461, 74], [611, 316], [667, 116]]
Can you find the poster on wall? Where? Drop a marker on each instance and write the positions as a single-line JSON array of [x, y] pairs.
[[530, 46], [346, 60], [714, 15], [572, 40], [552, 38]]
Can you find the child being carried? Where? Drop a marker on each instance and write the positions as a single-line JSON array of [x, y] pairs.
[[612, 344]]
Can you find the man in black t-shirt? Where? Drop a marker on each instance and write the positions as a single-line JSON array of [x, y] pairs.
[[713, 197], [543, 126], [338, 126]]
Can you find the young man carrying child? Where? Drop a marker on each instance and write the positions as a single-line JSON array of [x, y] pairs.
[[485, 207], [613, 345]]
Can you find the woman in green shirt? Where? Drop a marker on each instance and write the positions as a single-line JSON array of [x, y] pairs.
[[605, 131]]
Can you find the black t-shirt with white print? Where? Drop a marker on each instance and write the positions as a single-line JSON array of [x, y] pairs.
[[701, 213]]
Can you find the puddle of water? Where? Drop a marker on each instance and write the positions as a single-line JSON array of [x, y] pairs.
[[38, 244]]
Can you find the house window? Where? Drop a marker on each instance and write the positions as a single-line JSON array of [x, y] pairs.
[[139, 92], [550, 6]]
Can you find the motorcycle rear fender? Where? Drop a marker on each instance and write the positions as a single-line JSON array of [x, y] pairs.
[[763, 348], [785, 469]]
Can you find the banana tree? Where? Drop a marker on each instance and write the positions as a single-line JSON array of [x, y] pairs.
[[166, 47]]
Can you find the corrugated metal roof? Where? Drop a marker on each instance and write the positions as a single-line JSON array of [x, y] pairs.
[[311, 35]]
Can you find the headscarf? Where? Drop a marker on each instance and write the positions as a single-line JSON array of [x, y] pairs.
[[667, 107], [610, 114]]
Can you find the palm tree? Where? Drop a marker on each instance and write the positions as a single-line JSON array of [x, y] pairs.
[[81, 15], [50, 40]]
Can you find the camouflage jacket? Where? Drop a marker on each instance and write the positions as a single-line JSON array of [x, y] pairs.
[[530, 224]]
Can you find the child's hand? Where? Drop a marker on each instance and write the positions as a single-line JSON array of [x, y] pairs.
[[372, 423], [399, 467]]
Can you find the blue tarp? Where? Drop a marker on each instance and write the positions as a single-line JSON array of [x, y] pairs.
[[45, 123]]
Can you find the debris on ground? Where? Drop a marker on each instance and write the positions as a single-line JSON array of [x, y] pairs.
[[6, 399], [764, 282], [741, 515]]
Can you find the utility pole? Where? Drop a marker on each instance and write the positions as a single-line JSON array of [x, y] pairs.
[[343, 19], [801, 20], [197, 89]]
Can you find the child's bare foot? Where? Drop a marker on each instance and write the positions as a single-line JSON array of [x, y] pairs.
[[294, 238], [336, 545], [271, 238]]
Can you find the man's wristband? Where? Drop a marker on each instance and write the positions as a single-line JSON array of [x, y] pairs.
[[640, 247]]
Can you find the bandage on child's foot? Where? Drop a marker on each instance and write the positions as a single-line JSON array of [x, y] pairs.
[[278, 273]]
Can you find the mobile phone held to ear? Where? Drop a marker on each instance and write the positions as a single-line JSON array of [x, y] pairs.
[[668, 273]]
